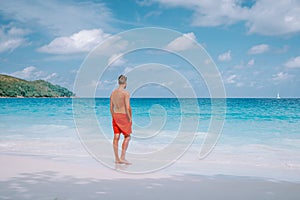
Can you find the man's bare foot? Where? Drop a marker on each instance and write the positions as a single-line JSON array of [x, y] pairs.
[[119, 162], [126, 162]]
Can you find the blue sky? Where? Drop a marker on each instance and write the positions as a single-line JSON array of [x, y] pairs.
[[255, 44]]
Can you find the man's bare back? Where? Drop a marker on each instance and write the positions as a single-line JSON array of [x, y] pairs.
[[120, 102]]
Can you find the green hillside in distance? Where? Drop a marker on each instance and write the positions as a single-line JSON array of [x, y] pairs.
[[15, 87]]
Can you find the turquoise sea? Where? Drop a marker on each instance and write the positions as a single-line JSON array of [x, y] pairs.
[[260, 137]]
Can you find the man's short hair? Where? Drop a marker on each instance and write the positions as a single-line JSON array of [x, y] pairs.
[[122, 79]]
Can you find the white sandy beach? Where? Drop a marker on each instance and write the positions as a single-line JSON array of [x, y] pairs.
[[31, 177], [211, 88]]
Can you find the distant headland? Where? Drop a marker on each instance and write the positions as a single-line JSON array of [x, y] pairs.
[[15, 87]]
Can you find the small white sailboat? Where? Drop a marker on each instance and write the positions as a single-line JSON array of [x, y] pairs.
[[278, 97]]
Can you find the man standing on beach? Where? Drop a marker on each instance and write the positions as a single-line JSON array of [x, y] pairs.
[[121, 118]]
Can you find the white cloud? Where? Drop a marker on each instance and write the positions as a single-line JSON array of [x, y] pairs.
[[244, 65], [266, 17], [251, 62], [113, 46], [116, 60], [58, 17], [231, 79], [50, 76], [293, 62], [27, 73], [235, 80], [184, 42], [12, 38], [218, 12], [32, 73], [225, 56], [144, 2], [17, 31], [259, 49], [211, 13], [154, 13], [106, 84], [281, 76], [83, 41]]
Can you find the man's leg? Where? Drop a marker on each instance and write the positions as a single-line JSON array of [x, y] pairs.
[[116, 148], [124, 148]]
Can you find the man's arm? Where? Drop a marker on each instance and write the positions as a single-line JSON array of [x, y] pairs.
[[127, 106], [111, 106]]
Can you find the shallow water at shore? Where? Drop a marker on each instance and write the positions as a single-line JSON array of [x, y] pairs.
[[260, 138]]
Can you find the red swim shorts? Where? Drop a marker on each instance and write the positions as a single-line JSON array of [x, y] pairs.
[[121, 124]]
